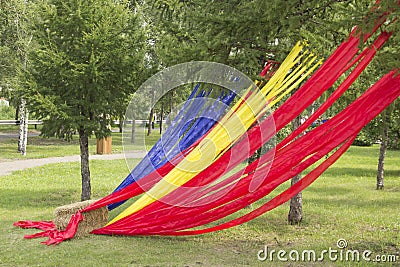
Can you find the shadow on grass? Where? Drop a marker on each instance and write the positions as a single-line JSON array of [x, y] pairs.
[[41, 141], [394, 173], [351, 171], [377, 247], [9, 150], [327, 200], [331, 191], [16, 199]]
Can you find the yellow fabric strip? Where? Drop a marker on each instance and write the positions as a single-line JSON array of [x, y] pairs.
[[230, 128]]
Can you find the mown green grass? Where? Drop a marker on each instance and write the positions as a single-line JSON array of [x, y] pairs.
[[343, 203]]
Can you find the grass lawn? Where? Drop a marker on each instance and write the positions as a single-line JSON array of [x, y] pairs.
[[343, 203], [39, 147]]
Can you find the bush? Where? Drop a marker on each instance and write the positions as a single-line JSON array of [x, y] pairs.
[[394, 141], [362, 140], [7, 113]]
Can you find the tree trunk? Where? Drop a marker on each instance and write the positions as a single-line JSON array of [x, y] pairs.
[[171, 104], [161, 117], [295, 215], [25, 136], [151, 113], [121, 123], [21, 125], [85, 172], [17, 114], [150, 122], [296, 205], [133, 131], [381, 161]]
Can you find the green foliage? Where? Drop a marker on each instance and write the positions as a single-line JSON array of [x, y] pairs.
[[394, 127], [387, 59], [389, 118], [87, 60], [15, 40], [243, 34], [282, 134], [7, 113], [362, 140], [93, 50], [333, 28], [211, 31]]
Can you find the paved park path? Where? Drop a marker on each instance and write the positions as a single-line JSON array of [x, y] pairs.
[[9, 166]]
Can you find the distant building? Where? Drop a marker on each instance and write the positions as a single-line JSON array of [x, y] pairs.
[[4, 102]]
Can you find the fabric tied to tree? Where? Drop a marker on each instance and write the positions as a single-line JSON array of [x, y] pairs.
[[186, 188], [177, 137]]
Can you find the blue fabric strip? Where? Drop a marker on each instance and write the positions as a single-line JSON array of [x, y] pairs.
[[197, 116]]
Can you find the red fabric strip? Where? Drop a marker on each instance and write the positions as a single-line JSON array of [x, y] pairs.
[[311, 90], [383, 86], [54, 236]]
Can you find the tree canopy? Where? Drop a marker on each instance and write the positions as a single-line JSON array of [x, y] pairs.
[[76, 62], [88, 58]]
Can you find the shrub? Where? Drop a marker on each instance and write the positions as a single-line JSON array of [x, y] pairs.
[[362, 140], [7, 113]]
